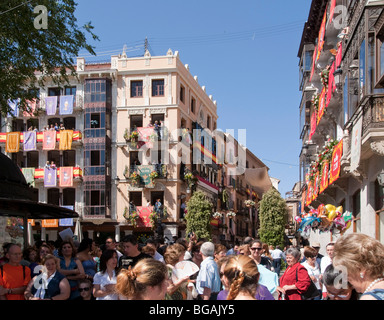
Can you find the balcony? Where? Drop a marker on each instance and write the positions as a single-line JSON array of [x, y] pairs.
[[145, 176], [36, 175], [76, 139]]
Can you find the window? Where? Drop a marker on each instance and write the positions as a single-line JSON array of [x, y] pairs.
[[157, 88], [193, 105], [136, 121], [136, 198], [54, 155], [95, 158], [95, 91], [33, 159], [69, 158], [95, 120], [69, 197], [70, 91], [136, 88], [182, 94], [54, 92], [209, 122], [70, 123], [54, 196]]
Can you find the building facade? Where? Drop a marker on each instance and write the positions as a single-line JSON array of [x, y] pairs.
[[341, 112]]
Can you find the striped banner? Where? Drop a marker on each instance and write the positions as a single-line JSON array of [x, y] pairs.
[[39, 136]]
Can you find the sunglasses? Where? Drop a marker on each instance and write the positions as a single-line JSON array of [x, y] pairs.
[[342, 296], [258, 249], [84, 289]]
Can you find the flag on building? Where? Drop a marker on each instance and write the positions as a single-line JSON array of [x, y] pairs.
[[66, 176], [50, 177], [29, 139], [13, 142], [334, 170], [66, 137], [51, 105], [49, 140], [66, 105]]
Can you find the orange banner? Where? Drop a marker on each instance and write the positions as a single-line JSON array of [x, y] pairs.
[[13, 142], [32, 222], [334, 170], [66, 176], [321, 105], [316, 185], [320, 39], [50, 223], [324, 176]]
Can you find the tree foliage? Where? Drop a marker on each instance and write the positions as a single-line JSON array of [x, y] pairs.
[[273, 217], [198, 215], [29, 56]]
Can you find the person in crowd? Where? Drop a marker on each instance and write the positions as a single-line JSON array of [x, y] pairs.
[[110, 243], [276, 256], [14, 277], [62, 126], [53, 165], [153, 243], [313, 268], [325, 262], [337, 288], [208, 281], [220, 251], [30, 254], [295, 279], [363, 259], [36, 266], [86, 258], [86, 289], [148, 250], [256, 254], [234, 249], [71, 267], [147, 280], [319, 256], [132, 254], [262, 292], [176, 290], [104, 281], [96, 254], [245, 249], [51, 284], [267, 255]]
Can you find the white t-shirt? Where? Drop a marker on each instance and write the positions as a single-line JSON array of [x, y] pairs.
[[276, 254], [313, 271], [325, 262], [103, 279]]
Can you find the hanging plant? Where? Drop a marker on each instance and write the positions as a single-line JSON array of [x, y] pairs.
[[231, 214], [135, 177], [191, 179], [134, 135], [315, 102], [153, 175], [249, 203], [131, 217], [325, 76], [126, 135], [217, 215]]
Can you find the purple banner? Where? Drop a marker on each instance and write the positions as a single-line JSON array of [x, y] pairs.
[[50, 177], [51, 105], [29, 140], [66, 105]]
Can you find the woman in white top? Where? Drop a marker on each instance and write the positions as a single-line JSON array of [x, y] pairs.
[[104, 281], [312, 267]]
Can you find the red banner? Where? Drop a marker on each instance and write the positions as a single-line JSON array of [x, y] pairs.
[[321, 105], [147, 135], [49, 140], [339, 55], [313, 125], [66, 176], [321, 36], [324, 176], [331, 80], [316, 185], [332, 10], [334, 170], [144, 213], [303, 198]]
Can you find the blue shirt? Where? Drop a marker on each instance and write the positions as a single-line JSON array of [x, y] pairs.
[[208, 277], [268, 278]]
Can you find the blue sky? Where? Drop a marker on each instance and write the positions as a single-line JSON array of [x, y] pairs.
[[244, 52]]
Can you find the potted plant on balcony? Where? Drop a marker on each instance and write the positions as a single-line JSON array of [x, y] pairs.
[[135, 177], [231, 214], [126, 172], [249, 203], [134, 136], [153, 175], [217, 215], [131, 217], [126, 135], [190, 178], [153, 219]]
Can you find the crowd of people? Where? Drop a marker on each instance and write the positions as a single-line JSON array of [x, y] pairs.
[[192, 269]]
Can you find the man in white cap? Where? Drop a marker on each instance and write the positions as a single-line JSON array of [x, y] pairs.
[[208, 283]]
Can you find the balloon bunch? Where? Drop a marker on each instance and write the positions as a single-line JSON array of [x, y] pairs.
[[327, 218]]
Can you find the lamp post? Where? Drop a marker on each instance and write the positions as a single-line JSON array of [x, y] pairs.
[[337, 77]]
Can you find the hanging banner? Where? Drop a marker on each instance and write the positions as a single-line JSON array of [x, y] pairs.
[[32, 222], [144, 213], [309, 194], [332, 11], [303, 198], [339, 55], [321, 36], [50, 177], [356, 144], [14, 106], [313, 125], [321, 105], [49, 223], [66, 105], [30, 109], [316, 185], [334, 170], [68, 222], [13, 142], [66, 177], [145, 174], [147, 135], [51, 105], [331, 81], [324, 176], [66, 137], [49, 140], [29, 138], [313, 63], [29, 175]]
